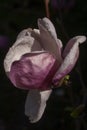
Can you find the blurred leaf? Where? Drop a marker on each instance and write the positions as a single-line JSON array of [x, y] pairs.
[[77, 111]]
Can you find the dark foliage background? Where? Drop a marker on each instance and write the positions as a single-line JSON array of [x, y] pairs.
[[16, 15]]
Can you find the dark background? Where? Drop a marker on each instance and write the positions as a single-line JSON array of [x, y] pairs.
[[16, 15]]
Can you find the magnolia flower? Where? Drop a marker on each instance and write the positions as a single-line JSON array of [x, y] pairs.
[[37, 63]]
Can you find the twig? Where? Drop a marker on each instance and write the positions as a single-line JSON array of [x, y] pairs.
[[47, 8]]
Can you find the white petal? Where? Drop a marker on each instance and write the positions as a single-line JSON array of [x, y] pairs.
[[24, 44], [25, 32], [70, 55], [35, 104], [49, 26], [74, 40], [49, 38]]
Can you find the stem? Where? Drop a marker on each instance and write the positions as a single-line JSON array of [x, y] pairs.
[[47, 8]]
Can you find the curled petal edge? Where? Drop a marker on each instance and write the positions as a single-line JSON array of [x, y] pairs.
[[70, 58]]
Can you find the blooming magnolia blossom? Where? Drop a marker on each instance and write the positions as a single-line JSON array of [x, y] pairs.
[[36, 63]]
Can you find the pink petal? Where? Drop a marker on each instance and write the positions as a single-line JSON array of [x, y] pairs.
[[34, 71], [70, 54]]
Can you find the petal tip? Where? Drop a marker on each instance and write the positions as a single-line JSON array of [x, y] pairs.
[[81, 39]]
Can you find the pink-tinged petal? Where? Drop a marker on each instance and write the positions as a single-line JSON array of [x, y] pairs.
[[34, 71], [35, 104], [77, 39], [48, 37], [71, 54], [25, 43]]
